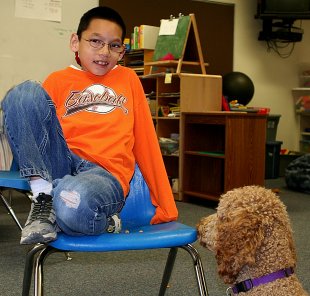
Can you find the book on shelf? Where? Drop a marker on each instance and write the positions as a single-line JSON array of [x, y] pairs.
[[144, 37], [148, 36], [135, 38]]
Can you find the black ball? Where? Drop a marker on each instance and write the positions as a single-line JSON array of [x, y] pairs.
[[238, 86]]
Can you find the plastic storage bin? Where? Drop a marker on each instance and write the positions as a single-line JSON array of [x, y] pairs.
[[271, 126], [272, 159]]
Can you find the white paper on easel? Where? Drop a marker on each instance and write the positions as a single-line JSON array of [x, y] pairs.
[[168, 27]]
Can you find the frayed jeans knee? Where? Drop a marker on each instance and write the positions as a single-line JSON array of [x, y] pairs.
[[85, 201], [84, 194]]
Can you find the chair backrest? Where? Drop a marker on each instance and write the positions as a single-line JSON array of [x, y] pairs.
[[14, 166], [138, 209]]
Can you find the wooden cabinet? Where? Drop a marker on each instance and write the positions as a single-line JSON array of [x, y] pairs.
[[221, 151], [179, 93]]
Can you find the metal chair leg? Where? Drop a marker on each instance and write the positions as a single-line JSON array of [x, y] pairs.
[[202, 286], [11, 211], [39, 270], [168, 270], [34, 264], [29, 268], [201, 281]]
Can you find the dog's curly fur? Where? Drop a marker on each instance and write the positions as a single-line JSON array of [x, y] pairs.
[[251, 236]]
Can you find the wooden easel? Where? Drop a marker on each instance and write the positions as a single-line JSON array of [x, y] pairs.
[[191, 53]]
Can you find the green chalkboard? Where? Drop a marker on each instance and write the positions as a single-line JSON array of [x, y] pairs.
[[172, 44]]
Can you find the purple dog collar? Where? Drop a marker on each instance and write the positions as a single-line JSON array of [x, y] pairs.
[[251, 283]]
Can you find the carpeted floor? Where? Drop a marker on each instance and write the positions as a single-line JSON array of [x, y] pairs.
[[136, 273]]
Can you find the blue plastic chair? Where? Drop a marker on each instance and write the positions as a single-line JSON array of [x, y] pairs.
[[137, 234], [11, 180]]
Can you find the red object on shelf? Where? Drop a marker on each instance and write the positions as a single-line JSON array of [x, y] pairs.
[[225, 104], [262, 110]]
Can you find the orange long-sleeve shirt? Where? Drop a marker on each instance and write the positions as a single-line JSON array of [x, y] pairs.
[[106, 120]]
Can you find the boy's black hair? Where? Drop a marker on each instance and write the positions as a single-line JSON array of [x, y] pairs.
[[101, 12]]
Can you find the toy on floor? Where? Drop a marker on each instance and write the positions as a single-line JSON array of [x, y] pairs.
[[252, 239]]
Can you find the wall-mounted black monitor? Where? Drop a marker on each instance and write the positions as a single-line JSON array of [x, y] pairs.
[[278, 18], [283, 9]]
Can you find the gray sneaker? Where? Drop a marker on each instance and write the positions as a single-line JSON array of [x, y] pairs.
[[115, 224], [40, 226]]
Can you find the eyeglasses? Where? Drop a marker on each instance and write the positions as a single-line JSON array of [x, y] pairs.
[[116, 47]]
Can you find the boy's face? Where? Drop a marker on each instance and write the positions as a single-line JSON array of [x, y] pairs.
[[99, 61]]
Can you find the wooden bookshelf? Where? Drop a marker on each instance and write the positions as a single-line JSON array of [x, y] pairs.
[[221, 151]]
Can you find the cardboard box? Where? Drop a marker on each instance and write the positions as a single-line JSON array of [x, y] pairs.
[[201, 93]]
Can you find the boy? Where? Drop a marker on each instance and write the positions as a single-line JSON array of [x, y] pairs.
[[78, 136]]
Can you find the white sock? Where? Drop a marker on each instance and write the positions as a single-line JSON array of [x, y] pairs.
[[40, 186]]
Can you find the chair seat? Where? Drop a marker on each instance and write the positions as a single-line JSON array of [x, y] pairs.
[[164, 235], [12, 179]]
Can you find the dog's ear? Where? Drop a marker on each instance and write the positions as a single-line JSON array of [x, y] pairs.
[[239, 236], [206, 230]]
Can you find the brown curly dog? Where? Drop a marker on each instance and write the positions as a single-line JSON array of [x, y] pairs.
[[252, 239]]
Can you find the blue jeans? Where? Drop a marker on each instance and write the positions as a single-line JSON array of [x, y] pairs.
[[84, 194]]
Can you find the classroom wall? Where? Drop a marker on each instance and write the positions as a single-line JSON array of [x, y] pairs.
[[273, 76], [31, 49]]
